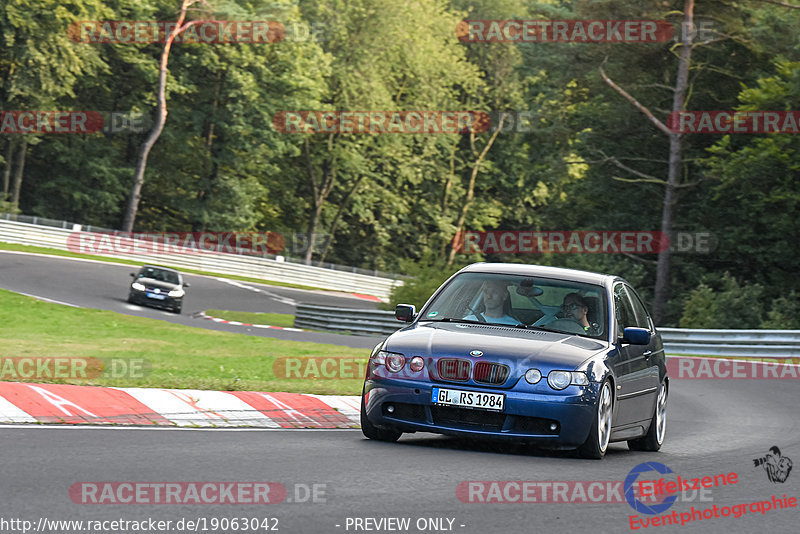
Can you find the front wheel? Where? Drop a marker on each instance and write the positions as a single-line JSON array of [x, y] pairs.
[[372, 432], [596, 444], [654, 438]]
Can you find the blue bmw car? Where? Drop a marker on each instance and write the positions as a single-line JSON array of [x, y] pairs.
[[558, 357]]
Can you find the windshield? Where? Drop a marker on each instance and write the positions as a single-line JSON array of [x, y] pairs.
[[162, 275], [522, 301]]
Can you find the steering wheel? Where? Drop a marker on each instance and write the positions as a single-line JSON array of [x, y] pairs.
[[548, 311], [479, 316]]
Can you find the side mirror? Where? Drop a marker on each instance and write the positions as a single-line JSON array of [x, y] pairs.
[[186, 284], [133, 274], [405, 312], [636, 336]]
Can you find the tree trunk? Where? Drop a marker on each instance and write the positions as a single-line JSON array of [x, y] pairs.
[[471, 187], [9, 157], [320, 192], [675, 164], [161, 119], [335, 222], [19, 173]]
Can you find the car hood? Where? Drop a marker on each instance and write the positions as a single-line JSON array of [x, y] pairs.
[[152, 282], [519, 348]]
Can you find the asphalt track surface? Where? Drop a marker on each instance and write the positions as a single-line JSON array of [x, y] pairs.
[[104, 286], [714, 427]]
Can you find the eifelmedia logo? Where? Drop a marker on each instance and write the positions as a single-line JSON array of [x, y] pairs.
[[777, 467]]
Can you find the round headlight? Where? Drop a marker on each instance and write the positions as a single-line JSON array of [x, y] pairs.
[[395, 362], [137, 286], [559, 379], [417, 363], [532, 376]]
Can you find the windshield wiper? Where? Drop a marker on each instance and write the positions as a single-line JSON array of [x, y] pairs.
[[452, 320]]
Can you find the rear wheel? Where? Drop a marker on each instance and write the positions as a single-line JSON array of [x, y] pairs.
[[596, 444], [654, 438], [372, 432]]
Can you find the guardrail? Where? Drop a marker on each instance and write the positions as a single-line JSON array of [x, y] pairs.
[[708, 342], [704, 342], [263, 268], [356, 321]]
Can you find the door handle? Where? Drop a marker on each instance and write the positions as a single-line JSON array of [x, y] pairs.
[[647, 353]]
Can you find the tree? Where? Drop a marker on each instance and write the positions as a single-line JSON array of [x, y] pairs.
[[161, 116]]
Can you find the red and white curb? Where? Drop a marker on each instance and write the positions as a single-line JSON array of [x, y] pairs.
[[237, 323], [61, 403]]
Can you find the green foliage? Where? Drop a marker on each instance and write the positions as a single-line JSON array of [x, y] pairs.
[[785, 313], [724, 304]]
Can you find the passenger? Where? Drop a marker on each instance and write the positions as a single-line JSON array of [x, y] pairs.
[[576, 309]]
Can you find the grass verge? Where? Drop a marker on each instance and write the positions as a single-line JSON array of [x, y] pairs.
[[67, 254], [177, 356], [272, 319]]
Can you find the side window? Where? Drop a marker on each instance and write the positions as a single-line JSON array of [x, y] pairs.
[[622, 307], [639, 311]]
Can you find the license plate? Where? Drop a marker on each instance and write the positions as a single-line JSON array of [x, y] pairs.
[[469, 399], [154, 296]]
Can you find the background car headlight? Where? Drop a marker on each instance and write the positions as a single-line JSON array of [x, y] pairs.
[[559, 379], [137, 286], [417, 363], [395, 362], [532, 376], [177, 292]]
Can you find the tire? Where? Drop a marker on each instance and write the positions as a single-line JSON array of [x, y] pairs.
[[131, 299], [372, 432], [654, 438], [177, 309], [596, 444]]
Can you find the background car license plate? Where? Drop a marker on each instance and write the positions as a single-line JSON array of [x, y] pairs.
[[471, 399], [154, 296]]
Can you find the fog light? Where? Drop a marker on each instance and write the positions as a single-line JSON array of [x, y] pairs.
[[390, 409], [416, 364], [553, 426]]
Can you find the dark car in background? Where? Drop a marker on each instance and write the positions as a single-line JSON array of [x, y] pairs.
[[557, 357], [160, 287]]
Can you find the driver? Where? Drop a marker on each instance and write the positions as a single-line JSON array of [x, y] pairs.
[[495, 300], [576, 308]]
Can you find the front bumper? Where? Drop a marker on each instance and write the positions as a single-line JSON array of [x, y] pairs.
[[140, 297], [561, 419]]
